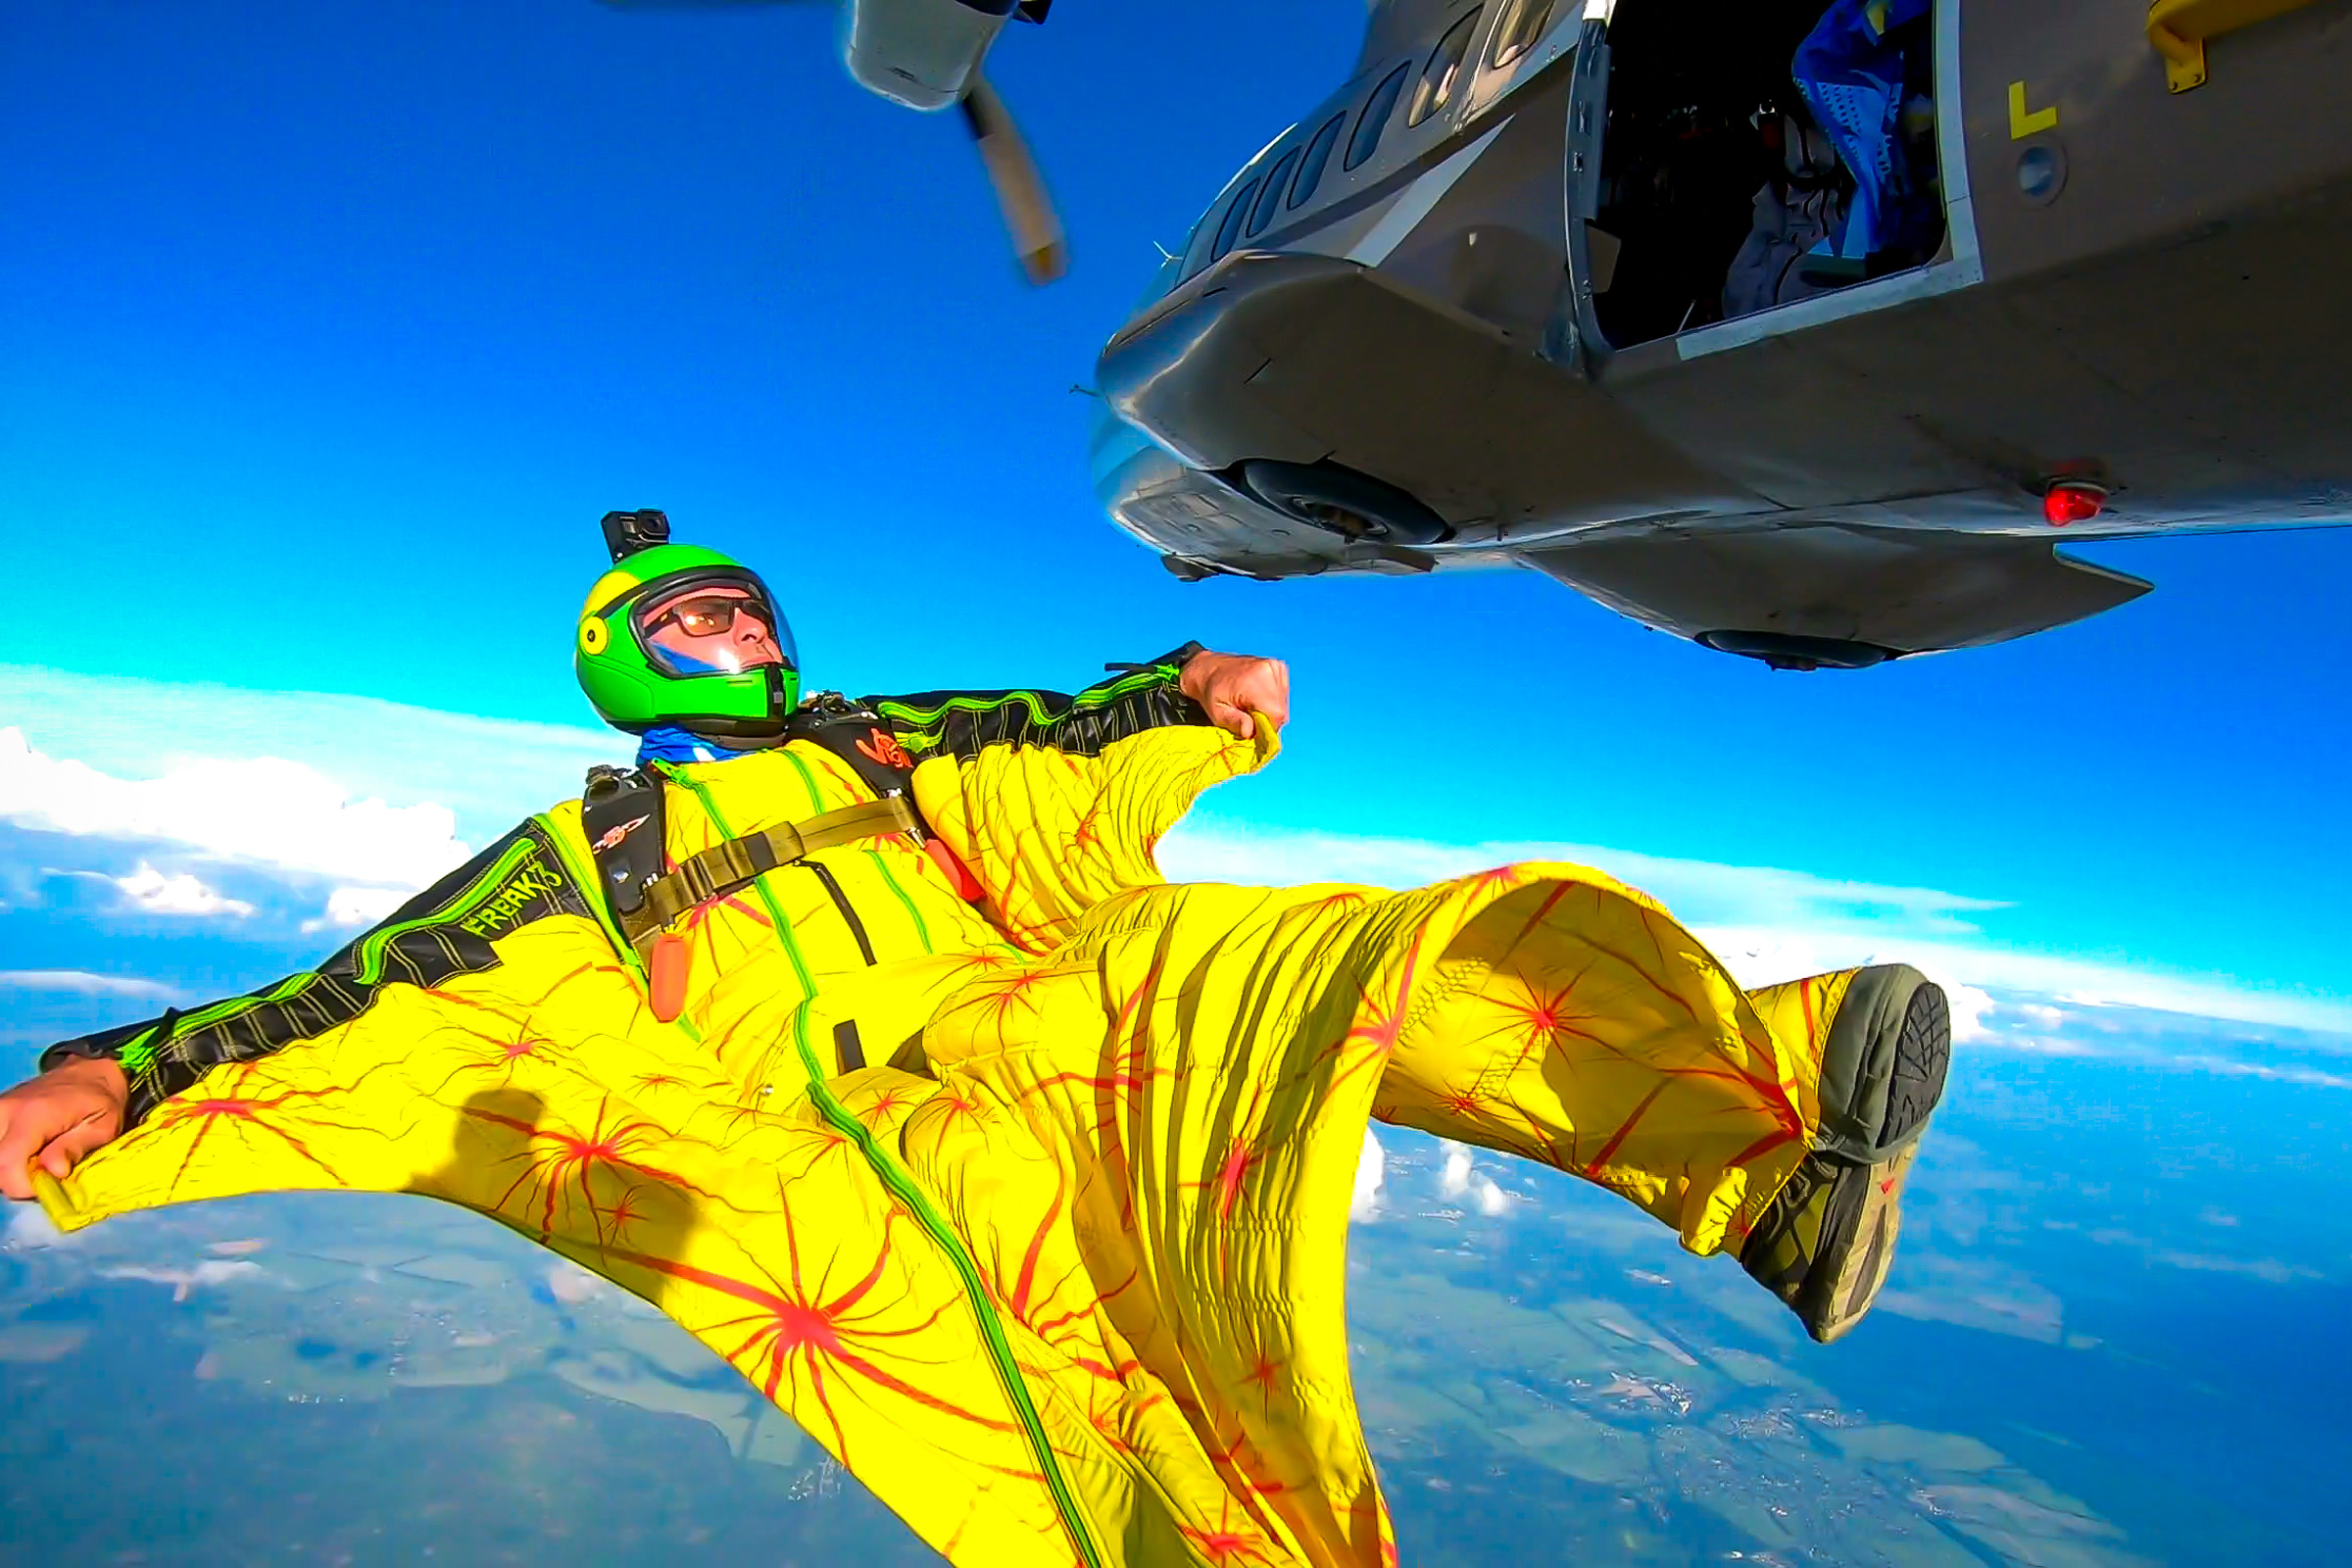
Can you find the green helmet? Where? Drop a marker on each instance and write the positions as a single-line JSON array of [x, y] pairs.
[[653, 650]]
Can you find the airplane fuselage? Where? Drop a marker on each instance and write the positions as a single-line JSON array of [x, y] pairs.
[[1472, 346]]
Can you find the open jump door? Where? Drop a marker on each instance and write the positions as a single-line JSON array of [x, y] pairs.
[[1728, 157]]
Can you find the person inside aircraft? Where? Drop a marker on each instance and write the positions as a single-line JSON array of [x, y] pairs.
[[1798, 209], [1855, 76], [1724, 164]]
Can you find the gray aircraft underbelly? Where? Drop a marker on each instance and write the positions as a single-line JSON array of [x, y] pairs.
[[1859, 476]]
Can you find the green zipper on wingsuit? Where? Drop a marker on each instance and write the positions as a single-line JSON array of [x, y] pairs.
[[901, 1185]]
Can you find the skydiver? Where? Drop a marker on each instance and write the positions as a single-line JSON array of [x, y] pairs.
[[864, 1039]]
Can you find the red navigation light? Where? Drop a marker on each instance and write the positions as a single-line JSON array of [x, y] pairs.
[[2073, 501]]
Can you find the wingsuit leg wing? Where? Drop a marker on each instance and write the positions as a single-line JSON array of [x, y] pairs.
[[1193, 1071]]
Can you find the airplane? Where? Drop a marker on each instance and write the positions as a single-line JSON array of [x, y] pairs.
[[1594, 287], [928, 55]]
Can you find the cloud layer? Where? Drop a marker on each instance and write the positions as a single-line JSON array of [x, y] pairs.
[[1767, 924], [264, 810], [376, 800]]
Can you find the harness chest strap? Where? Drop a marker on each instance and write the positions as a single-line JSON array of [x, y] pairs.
[[726, 867]]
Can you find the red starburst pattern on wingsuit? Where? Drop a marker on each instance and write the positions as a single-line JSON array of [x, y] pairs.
[[1127, 1051], [886, 1104], [1788, 1127], [751, 1111], [1264, 1371], [1550, 1017], [1551, 1013], [1072, 1330], [1002, 1000], [1462, 1102], [702, 914], [1230, 1182], [495, 1058], [1230, 1540], [1378, 1037], [955, 1105], [1238, 1461], [1468, 1104], [559, 1165], [626, 1210], [1233, 1173], [1500, 876], [250, 1116], [798, 1332], [498, 1036]]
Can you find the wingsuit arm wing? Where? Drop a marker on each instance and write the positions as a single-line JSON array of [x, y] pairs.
[[964, 724], [1055, 802], [442, 932]]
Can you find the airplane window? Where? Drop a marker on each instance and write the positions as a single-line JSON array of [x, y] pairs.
[[1444, 71], [1317, 159], [1231, 230], [1271, 197], [1519, 28], [1375, 117]]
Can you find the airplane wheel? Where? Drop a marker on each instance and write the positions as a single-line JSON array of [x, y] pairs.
[[1782, 650], [1339, 500]]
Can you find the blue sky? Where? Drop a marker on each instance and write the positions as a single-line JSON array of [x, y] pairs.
[[328, 330]]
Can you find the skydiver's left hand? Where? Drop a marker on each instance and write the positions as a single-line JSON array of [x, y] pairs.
[[1231, 686]]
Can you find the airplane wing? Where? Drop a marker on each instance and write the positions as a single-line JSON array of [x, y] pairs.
[[1835, 595]]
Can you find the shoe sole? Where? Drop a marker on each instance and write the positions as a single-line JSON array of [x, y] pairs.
[[1866, 1212], [1866, 1216], [1923, 1059]]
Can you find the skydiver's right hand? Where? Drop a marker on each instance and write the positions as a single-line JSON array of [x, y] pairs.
[[59, 1117]]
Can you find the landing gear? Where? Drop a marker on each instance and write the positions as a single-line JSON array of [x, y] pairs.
[[1783, 652], [1339, 500]]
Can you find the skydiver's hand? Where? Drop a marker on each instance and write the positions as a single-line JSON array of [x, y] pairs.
[[58, 1117], [1231, 685]]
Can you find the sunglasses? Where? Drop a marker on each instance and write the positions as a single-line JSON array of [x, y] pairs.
[[710, 618]]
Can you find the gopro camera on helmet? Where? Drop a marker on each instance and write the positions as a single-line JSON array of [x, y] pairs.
[[628, 532]]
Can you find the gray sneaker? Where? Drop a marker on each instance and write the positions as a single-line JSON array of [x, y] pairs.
[[1825, 1243]]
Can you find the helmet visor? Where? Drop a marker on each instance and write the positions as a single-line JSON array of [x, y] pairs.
[[719, 625]]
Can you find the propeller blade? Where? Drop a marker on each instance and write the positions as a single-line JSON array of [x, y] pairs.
[[1036, 237]]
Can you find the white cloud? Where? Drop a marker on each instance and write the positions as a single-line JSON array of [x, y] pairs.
[[571, 1284], [30, 1229], [1204, 850], [82, 983], [264, 810], [491, 773], [1766, 923], [1371, 1166], [358, 907], [1765, 958], [311, 797], [1460, 1181], [211, 1271], [157, 893]]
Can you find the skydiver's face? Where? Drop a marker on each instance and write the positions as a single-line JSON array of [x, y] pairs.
[[716, 628]]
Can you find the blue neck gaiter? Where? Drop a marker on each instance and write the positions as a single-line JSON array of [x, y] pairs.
[[667, 743]]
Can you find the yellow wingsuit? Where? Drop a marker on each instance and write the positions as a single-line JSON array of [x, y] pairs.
[[1062, 1281]]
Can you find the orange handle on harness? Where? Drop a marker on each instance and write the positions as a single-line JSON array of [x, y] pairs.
[[666, 973], [959, 875]]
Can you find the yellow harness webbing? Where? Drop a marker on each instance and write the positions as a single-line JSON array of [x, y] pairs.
[[724, 867]]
